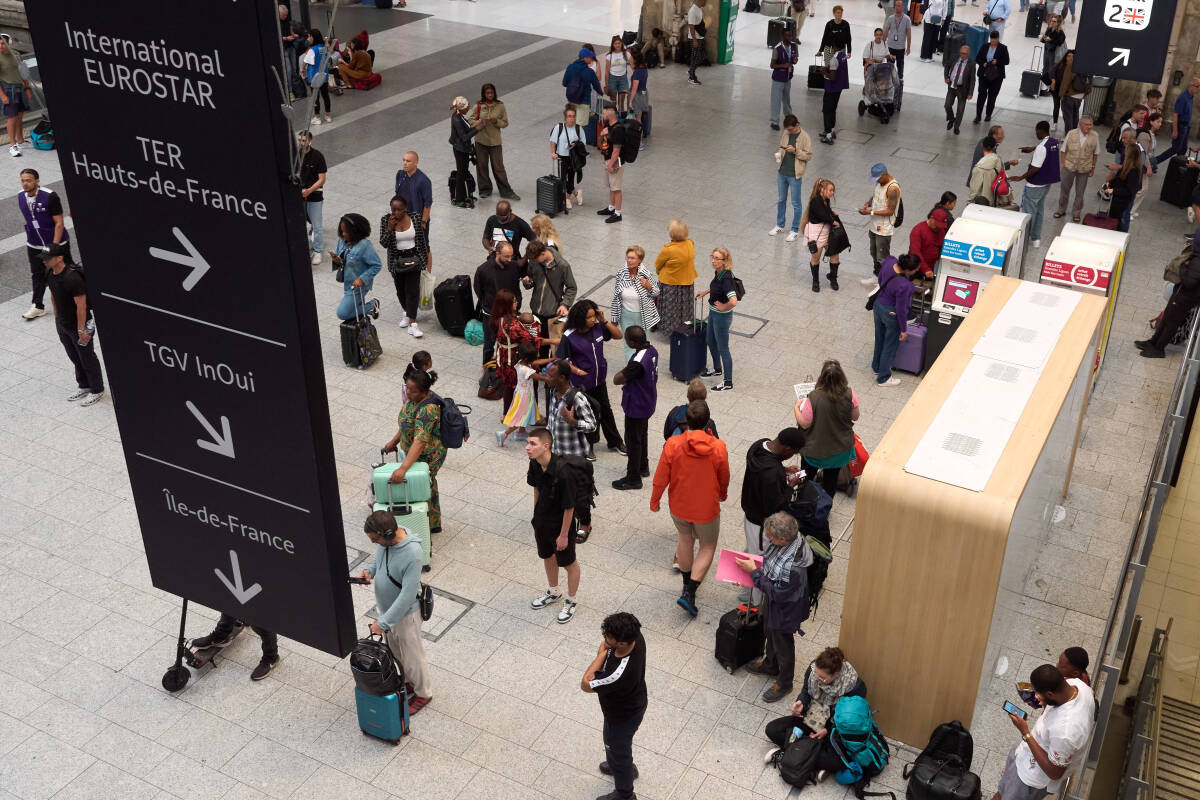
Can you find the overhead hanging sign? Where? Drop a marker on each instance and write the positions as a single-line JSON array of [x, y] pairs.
[[1125, 39], [177, 161]]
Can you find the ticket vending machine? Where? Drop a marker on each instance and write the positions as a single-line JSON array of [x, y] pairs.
[[974, 252], [1010, 219], [1088, 260]]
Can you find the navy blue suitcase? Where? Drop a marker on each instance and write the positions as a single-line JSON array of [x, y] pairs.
[[590, 129], [977, 38], [384, 717], [687, 350]]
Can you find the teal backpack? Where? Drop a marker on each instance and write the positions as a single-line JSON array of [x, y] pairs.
[[857, 741]]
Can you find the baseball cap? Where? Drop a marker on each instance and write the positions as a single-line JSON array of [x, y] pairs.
[[585, 53], [53, 250], [877, 170]]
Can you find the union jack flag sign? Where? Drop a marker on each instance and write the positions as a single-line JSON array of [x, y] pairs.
[[1128, 15]]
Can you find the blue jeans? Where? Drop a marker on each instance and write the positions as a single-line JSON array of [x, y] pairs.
[[1033, 203], [352, 297], [793, 185], [717, 336], [887, 342], [618, 750], [781, 96], [313, 212]]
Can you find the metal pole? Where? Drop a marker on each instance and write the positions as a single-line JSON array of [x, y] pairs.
[[1133, 637], [178, 675]]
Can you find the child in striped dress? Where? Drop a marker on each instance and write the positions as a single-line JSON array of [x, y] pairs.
[[522, 412]]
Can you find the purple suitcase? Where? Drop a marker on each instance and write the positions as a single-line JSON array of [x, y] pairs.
[[911, 355]]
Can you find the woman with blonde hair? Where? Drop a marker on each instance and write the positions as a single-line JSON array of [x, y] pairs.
[[818, 222], [676, 269], [461, 135], [545, 232], [827, 414], [722, 297], [633, 295]]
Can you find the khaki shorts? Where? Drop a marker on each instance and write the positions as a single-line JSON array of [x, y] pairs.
[[612, 180], [704, 532]]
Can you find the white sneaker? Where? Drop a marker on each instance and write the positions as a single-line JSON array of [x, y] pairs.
[[774, 231], [1036, 242], [79, 395], [770, 755], [567, 612], [546, 598], [578, 197], [315, 121], [316, 259], [1191, 214], [404, 321], [1134, 215], [34, 312], [890, 382], [414, 331], [568, 204], [92, 399], [15, 151], [328, 117], [793, 236]]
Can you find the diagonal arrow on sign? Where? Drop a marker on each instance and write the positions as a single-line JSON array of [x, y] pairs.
[[192, 259], [241, 593], [222, 443], [1122, 55]]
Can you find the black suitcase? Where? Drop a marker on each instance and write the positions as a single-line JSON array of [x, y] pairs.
[[349, 330], [1178, 182], [550, 198], [688, 350], [816, 78], [740, 638], [1031, 79], [1034, 19], [942, 780], [646, 122], [954, 42], [360, 340], [454, 304], [776, 27]]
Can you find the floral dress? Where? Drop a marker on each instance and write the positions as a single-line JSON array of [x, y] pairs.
[[422, 422]]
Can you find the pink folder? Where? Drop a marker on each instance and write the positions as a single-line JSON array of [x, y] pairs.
[[730, 572]]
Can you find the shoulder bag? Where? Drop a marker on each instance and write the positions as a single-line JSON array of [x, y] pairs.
[[875, 292]]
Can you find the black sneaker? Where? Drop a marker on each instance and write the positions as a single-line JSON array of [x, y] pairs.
[[591, 454], [607, 770], [687, 601], [645, 472], [607, 212], [708, 373], [264, 668], [774, 127], [212, 640], [623, 484], [614, 217], [615, 795], [722, 387], [1142, 344], [620, 448], [1153, 352]]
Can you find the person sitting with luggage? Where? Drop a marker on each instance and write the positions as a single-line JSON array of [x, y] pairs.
[[399, 621], [783, 580], [356, 64], [828, 679], [359, 264], [420, 426]]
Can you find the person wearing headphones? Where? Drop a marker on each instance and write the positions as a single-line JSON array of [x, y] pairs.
[[399, 619]]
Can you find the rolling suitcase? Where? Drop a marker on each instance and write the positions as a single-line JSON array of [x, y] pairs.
[[1034, 20], [977, 37], [1101, 221], [776, 27], [816, 78], [1179, 180], [454, 304], [360, 340], [550, 198], [740, 637], [910, 357], [646, 122], [416, 481], [1031, 79], [384, 717], [954, 42], [688, 350], [590, 130]]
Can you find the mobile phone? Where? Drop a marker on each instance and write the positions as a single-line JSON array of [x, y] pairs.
[[1011, 708], [359, 581]]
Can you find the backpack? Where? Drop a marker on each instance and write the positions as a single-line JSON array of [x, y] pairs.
[[857, 741], [633, 140], [899, 220], [818, 570], [1114, 136], [374, 667], [810, 505], [578, 470], [948, 740], [491, 386], [455, 429], [42, 136], [1000, 185], [676, 423], [576, 87], [797, 762]]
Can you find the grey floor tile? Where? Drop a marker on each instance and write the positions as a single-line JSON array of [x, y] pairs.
[[205, 737], [66, 721], [102, 781], [12, 732], [191, 779], [40, 766], [423, 772], [270, 767], [127, 750]]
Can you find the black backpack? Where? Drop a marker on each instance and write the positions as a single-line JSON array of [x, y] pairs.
[[947, 740], [374, 667], [454, 430], [582, 477], [633, 140], [797, 763]]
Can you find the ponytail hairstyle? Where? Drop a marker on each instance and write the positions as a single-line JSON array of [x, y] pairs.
[[422, 363]]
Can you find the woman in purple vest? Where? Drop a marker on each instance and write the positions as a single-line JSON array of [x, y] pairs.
[[639, 395], [583, 345]]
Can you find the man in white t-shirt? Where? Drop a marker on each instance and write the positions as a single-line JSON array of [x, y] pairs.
[[1037, 765], [695, 32]]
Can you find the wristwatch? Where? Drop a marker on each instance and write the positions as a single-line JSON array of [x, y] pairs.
[[1027, 737]]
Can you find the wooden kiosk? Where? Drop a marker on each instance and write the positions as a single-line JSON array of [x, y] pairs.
[[956, 503]]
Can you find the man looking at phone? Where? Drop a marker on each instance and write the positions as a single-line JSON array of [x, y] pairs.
[[1037, 765]]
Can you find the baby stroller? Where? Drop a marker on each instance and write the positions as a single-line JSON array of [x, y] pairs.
[[881, 91]]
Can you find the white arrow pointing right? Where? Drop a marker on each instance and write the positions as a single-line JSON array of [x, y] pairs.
[[242, 593], [1122, 55], [192, 259], [222, 443]]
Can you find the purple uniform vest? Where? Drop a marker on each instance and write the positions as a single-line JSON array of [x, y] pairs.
[[1048, 172], [638, 397], [39, 222], [586, 351]]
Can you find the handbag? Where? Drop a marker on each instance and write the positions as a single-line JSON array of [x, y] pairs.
[[427, 286], [943, 780], [838, 241], [875, 292], [424, 592]]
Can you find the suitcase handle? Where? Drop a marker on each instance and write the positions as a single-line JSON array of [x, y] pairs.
[[1034, 59], [358, 297]]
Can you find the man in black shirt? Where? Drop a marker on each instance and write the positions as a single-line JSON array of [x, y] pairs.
[[312, 178], [500, 271], [611, 138], [618, 675], [73, 318], [505, 226], [554, 501]]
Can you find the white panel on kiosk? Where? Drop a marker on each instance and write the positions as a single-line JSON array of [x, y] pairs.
[[1010, 219], [972, 253], [1073, 230], [1078, 264]]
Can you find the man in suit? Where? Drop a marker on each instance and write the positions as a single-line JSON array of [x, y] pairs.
[[960, 87], [992, 59]]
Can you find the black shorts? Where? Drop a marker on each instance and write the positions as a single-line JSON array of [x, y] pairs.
[[546, 538]]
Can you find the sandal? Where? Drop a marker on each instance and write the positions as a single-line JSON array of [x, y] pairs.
[[1059, 214], [582, 536], [1076, 219]]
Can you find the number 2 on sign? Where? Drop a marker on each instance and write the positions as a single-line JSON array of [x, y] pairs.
[[1128, 15]]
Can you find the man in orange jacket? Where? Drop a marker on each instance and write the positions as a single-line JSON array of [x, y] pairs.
[[694, 471]]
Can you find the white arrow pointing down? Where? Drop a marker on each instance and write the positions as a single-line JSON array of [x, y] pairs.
[[242, 593], [222, 443], [192, 259]]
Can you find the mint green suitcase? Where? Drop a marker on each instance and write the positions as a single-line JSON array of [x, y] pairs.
[[414, 518], [417, 480]]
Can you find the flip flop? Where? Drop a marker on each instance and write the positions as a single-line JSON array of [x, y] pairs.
[[582, 536]]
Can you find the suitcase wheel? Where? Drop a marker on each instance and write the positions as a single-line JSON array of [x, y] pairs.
[[729, 668]]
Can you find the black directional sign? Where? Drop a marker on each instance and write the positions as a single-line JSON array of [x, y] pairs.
[[177, 160], [1124, 39]]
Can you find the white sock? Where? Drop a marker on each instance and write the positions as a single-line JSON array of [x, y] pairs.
[[616, 211], [554, 590], [570, 599], [610, 207]]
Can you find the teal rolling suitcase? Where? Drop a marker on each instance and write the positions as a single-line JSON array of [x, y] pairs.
[[383, 717], [414, 518], [416, 480]]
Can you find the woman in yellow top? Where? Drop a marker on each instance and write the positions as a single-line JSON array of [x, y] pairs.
[[420, 438], [676, 268]]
